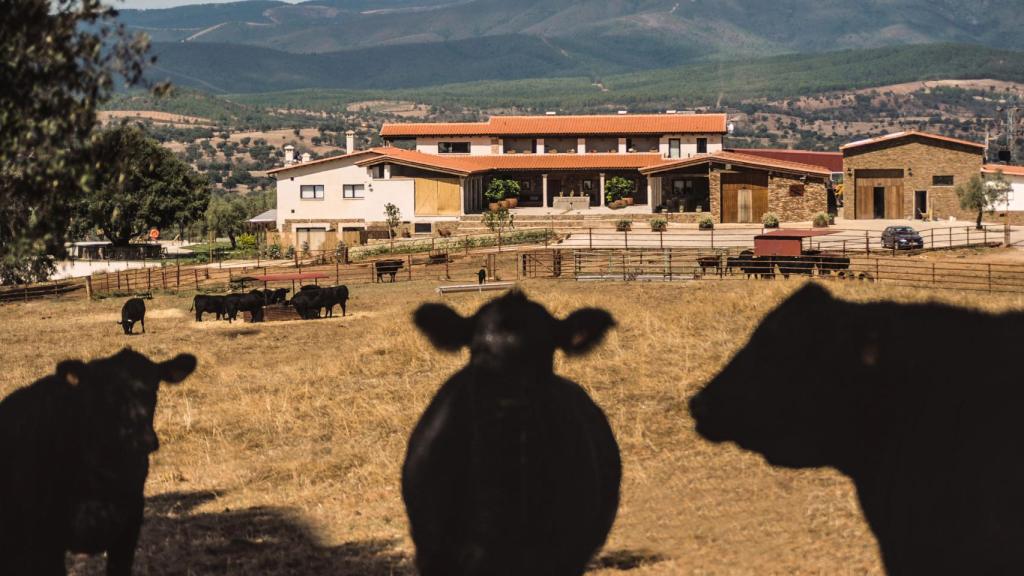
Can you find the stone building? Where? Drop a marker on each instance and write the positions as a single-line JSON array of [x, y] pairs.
[[908, 175]]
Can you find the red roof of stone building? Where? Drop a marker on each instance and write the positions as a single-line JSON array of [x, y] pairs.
[[909, 134], [831, 160], [1005, 169], [746, 160], [609, 125]]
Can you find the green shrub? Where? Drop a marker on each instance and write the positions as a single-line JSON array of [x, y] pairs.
[[615, 188], [274, 251], [658, 224], [820, 220], [770, 220], [706, 223], [290, 252], [501, 188], [624, 225], [247, 241]]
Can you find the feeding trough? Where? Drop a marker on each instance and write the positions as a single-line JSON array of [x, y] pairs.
[[488, 287]]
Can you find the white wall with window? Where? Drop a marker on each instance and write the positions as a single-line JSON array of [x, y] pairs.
[[476, 145], [339, 190], [686, 145], [1015, 199]]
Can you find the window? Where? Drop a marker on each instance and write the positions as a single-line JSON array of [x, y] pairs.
[[942, 180], [352, 191], [377, 172], [422, 228], [453, 147], [311, 192], [796, 189], [702, 145], [674, 148]]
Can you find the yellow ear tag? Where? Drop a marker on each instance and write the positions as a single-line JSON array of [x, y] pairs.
[[71, 378]]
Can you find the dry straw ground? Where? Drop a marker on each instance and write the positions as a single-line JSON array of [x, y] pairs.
[[281, 454]]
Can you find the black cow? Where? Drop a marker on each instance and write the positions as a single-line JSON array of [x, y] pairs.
[[74, 456], [796, 265], [759, 266], [309, 302], [827, 264], [134, 310], [277, 295], [511, 470], [390, 267], [208, 303], [928, 427], [481, 276], [252, 303]]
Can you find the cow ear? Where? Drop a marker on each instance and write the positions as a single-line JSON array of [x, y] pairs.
[[178, 368], [445, 328], [583, 330], [71, 371]]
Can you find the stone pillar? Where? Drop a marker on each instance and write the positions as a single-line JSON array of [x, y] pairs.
[[600, 188], [387, 171], [581, 145], [622, 145], [540, 145], [544, 189], [462, 195]]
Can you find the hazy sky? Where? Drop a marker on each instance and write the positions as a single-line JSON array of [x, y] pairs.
[[167, 3]]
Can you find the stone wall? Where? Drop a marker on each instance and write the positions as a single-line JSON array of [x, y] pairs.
[[920, 159], [791, 208]]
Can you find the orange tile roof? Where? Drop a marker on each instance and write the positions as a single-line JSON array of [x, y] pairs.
[[1008, 170], [593, 125], [909, 134], [831, 160], [740, 159], [461, 164]]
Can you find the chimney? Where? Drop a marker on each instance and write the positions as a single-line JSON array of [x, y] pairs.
[[305, 157], [551, 113], [350, 141], [289, 155], [623, 112]]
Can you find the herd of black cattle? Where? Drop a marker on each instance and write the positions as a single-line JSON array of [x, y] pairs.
[[752, 266], [513, 470]]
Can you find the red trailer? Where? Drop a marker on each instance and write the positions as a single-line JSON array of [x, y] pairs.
[[785, 243]]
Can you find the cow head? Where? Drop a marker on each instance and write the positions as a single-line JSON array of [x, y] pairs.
[[116, 403], [127, 325], [789, 394], [512, 336]]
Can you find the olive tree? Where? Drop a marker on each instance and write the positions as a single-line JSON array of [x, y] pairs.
[[977, 195]]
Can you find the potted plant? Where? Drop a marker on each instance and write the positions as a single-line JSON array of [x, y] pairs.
[[706, 223], [501, 189], [820, 220], [770, 220], [658, 224], [628, 200], [617, 188], [623, 225]]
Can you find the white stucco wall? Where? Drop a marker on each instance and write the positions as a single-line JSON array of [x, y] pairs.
[[1015, 201], [688, 143], [333, 176], [478, 145]]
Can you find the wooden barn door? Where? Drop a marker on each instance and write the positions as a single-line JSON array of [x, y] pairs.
[[438, 197], [744, 196], [892, 196]]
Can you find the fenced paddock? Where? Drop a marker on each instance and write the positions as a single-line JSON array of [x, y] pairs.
[[282, 454]]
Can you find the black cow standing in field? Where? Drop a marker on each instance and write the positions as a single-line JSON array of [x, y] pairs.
[[481, 276], [928, 427], [312, 299], [210, 303], [511, 470], [389, 267], [134, 310], [276, 296], [251, 302], [74, 456]]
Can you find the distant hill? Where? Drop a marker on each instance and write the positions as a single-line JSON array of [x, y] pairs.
[[706, 27], [438, 73]]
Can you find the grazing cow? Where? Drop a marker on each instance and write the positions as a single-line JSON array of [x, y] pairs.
[[712, 263], [796, 265], [930, 436], [252, 303], [390, 267], [481, 276], [759, 266], [827, 264], [511, 470], [208, 303], [309, 303], [277, 295], [74, 456], [134, 310], [738, 262], [306, 303]]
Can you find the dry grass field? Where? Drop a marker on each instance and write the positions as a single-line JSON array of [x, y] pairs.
[[281, 454]]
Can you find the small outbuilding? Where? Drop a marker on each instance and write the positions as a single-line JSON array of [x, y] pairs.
[[908, 175]]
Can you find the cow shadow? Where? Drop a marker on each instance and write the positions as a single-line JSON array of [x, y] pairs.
[[624, 560], [268, 541]]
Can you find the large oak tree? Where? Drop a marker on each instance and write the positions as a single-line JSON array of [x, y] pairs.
[[59, 60], [139, 185]]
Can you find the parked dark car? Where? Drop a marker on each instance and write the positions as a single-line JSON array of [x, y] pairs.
[[902, 238]]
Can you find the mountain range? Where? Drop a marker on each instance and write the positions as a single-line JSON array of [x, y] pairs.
[[261, 45]]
